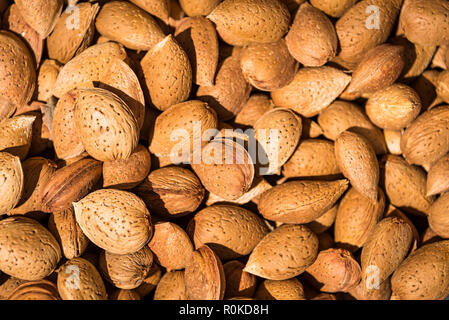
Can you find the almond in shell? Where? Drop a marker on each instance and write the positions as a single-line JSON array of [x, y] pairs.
[[333, 8], [48, 73], [16, 135], [311, 90], [36, 290], [129, 25], [257, 105], [312, 39], [283, 253], [204, 276], [171, 287], [28, 251], [114, 220], [289, 289], [78, 279], [300, 201], [168, 73], [41, 15], [197, 36], [437, 177], [157, 8], [198, 7], [242, 22], [438, 217], [230, 231], [12, 183]]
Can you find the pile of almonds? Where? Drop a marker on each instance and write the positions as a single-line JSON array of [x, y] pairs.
[[354, 203]]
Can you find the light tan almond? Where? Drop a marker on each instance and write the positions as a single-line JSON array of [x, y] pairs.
[[225, 169], [356, 218], [393, 141], [35, 290], [437, 177], [422, 275], [438, 217], [426, 140], [324, 222], [37, 171], [66, 141], [171, 192], [333, 8], [300, 201], [198, 7], [312, 39], [126, 174], [63, 226], [312, 90], [129, 25], [12, 183], [284, 127], [357, 161], [168, 73], [385, 249], [78, 279], [393, 108], [28, 251], [425, 22], [230, 231], [405, 185], [289, 289], [115, 220], [87, 67], [171, 246], [157, 8], [312, 158], [342, 115], [230, 92], [268, 66], [284, 253], [17, 74], [126, 271], [16, 134], [72, 36], [171, 287], [197, 36], [204, 276], [257, 105], [379, 68], [48, 74], [174, 131], [14, 21], [238, 282], [334, 270], [364, 26], [242, 22], [110, 131]]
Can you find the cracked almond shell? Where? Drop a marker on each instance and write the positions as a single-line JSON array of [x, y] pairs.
[[28, 251], [114, 220], [197, 36], [204, 276], [311, 90], [63, 225], [242, 22], [300, 201], [171, 192], [229, 230], [129, 25], [78, 279], [126, 271], [283, 253], [71, 37]]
